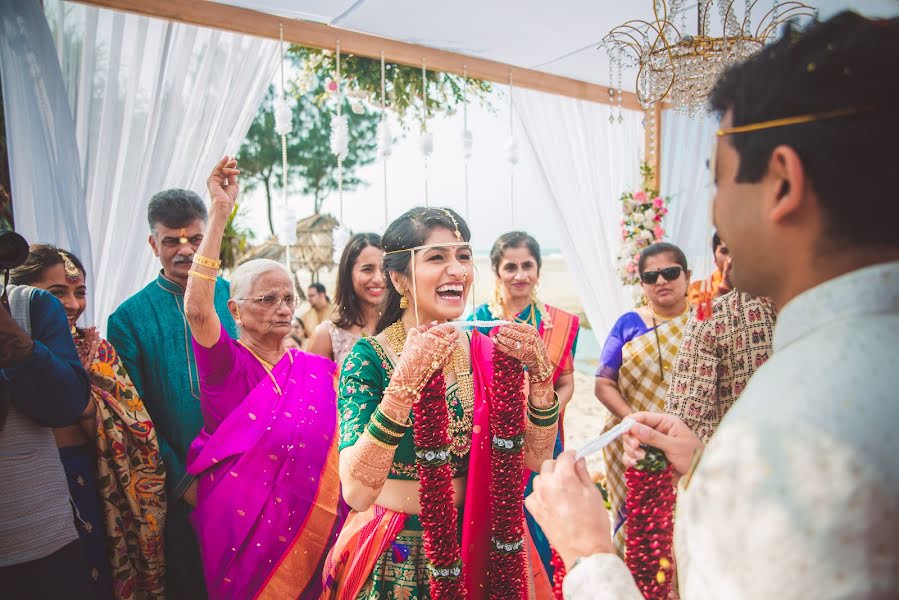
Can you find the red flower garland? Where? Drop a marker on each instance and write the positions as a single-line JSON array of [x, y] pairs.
[[650, 524], [507, 552], [439, 517], [558, 575]]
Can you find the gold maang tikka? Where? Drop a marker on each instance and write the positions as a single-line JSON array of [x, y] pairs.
[[72, 272]]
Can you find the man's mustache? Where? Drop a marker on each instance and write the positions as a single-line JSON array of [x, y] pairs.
[[180, 259]]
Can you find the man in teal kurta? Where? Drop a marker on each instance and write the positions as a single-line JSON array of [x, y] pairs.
[[150, 332]]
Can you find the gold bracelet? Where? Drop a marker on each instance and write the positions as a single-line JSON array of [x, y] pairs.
[[374, 441], [201, 275], [385, 431], [205, 261]]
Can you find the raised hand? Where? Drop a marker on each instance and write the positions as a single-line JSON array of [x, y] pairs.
[[425, 351], [87, 347], [523, 342], [222, 183]]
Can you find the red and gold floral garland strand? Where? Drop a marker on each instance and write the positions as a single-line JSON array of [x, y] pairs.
[[507, 554], [439, 517], [558, 575], [650, 524]]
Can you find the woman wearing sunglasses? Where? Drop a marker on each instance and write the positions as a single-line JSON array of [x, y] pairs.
[[633, 372], [268, 498]]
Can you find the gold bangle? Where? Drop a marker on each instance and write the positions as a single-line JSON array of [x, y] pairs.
[[373, 440], [407, 424], [201, 275], [205, 261], [385, 431]]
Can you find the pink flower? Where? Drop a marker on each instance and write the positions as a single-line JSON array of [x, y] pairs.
[[658, 202], [663, 211], [641, 197], [631, 268], [332, 85], [658, 218], [658, 232]]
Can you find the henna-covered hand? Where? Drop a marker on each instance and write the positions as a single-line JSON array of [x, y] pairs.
[[523, 342], [87, 345], [425, 352]]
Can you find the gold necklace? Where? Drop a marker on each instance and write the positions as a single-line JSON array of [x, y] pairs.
[[267, 365], [460, 425], [656, 315]]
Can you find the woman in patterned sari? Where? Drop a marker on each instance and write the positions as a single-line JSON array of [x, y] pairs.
[[268, 493], [360, 294], [116, 478], [380, 552], [516, 263], [633, 372]]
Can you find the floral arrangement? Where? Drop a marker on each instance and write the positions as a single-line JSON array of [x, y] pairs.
[[641, 225]]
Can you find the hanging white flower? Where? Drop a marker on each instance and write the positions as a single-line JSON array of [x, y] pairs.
[[385, 139], [340, 136], [283, 117], [512, 150], [426, 143], [467, 143], [647, 235], [341, 238], [356, 106], [288, 233]]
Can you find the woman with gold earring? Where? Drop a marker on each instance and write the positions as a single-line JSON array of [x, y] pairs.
[[633, 368], [516, 262], [380, 552]]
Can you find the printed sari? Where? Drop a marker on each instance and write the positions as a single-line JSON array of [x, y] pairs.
[[639, 359], [269, 503], [131, 480]]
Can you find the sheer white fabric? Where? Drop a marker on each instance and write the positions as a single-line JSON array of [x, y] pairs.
[[686, 146], [584, 163], [155, 104], [48, 198]]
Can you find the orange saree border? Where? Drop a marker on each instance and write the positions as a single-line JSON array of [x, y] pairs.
[[302, 562]]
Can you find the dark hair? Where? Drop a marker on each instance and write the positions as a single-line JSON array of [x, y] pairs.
[[838, 64], [716, 241], [514, 239], [175, 208], [40, 258], [349, 313], [411, 229], [320, 288], [677, 255]]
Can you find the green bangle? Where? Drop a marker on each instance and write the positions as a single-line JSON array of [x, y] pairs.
[[543, 421], [387, 423], [381, 436]]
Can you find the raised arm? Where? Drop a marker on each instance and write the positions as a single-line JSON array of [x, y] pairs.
[[199, 297]]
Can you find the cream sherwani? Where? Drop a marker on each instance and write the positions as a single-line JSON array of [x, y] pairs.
[[796, 494]]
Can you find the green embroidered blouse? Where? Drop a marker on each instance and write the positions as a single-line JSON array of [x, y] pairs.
[[365, 375]]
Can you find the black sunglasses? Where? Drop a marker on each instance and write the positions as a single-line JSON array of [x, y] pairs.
[[669, 273]]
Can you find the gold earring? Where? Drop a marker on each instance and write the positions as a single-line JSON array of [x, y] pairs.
[[404, 302]]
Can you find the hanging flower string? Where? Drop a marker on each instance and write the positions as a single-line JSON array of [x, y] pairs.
[[427, 138], [650, 524], [559, 573], [507, 553], [384, 137], [439, 517], [339, 133]]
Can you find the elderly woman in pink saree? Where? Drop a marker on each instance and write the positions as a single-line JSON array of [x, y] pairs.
[[268, 492]]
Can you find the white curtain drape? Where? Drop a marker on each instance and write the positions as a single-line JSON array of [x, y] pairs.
[[155, 105], [48, 197], [686, 146], [584, 164]]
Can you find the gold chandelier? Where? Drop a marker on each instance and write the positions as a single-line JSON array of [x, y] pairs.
[[680, 67]]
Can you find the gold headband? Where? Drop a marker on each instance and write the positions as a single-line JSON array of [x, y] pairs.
[[427, 246], [842, 112], [72, 272]]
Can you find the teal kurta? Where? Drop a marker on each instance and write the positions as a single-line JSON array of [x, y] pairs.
[[150, 332]]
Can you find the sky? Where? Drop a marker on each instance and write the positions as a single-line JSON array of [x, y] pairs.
[[490, 179]]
